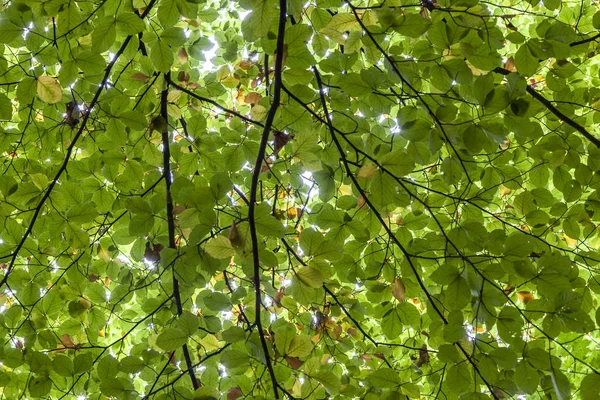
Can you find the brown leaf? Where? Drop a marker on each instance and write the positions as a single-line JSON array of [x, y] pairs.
[[72, 114], [138, 76], [157, 124], [281, 139], [183, 76], [525, 297], [245, 65], [182, 56], [294, 362], [423, 356], [67, 341], [172, 358], [336, 332], [234, 237], [234, 393], [252, 98], [151, 254], [510, 64], [278, 296], [267, 165], [178, 209], [398, 290]]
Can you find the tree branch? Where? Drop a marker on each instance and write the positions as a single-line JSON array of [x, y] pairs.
[[536, 95], [584, 41], [254, 185], [171, 219]]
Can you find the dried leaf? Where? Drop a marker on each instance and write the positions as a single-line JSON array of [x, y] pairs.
[[281, 139], [183, 76], [66, 341], [234, 237], [151, 254], [252, 98], [510, 64], [423, 356], [398, 290], [182, 56], [138, 76], [525, 297], [294, 362], [234, 393]]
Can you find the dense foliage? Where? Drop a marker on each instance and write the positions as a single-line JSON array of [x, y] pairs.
[[334, 199]]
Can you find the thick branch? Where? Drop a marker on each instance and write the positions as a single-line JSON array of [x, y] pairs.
[[171, 219], [254, 186], [584, 41]]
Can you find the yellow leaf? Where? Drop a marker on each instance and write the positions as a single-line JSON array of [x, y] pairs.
[[504, 191], [367, 171], [525, 297], [398, 290], [258, 112], [49, 89]]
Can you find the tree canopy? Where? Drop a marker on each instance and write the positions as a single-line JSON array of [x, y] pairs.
[[258, 199]]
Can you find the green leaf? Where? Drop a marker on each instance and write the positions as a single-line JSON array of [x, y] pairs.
[[526, 377], [590, 387], [171, 339], [385, 378], [9, 31], [310, 277], [6, 108], [525, 61], [129, 23], [161, 56], [104, 35], [300, 346], [412, 25], [219, 247], [398, 163], [561, 385], [458, 294]]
